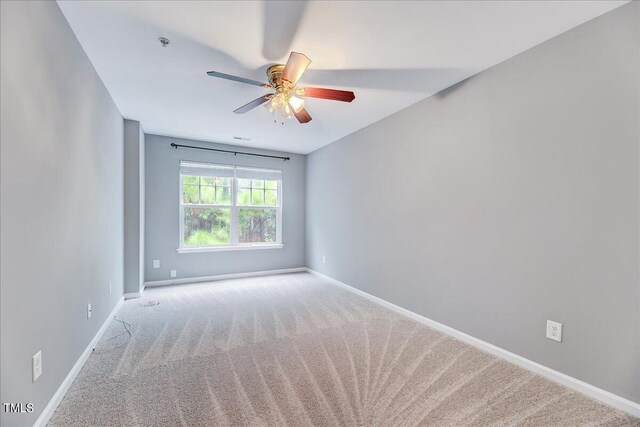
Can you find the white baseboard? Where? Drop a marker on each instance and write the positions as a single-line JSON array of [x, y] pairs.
[[222, 277], [51, 407], [132, 295], [573, 383]]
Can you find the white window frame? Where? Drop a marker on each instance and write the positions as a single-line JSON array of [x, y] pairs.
[[234, 208]]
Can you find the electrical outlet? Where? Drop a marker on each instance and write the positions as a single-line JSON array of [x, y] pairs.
[[554, 330], [173, 273], [324, 259], [36, 365], [89, 311], [156, 263]]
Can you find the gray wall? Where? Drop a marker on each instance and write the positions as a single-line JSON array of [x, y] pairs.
[[162, 213], [133, 207], [61, 202], [507, 200]]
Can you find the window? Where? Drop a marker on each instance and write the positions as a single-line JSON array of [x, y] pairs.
[[229, 207]]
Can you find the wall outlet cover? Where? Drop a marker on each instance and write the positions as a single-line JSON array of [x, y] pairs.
[[554, 330], [36, 365], [156, 263], [173, 273]]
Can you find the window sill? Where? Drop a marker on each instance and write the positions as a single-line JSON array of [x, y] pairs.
[[230, 248]]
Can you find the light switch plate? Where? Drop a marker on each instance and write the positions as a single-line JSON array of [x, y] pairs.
[[554, 330], [156, 263], [173, 273], [36, 365]]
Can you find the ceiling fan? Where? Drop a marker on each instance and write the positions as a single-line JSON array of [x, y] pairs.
[[287, 99]]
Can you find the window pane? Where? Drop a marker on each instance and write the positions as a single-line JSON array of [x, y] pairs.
[[257, 225], [189, 180], [257, 183], [271, 185], [207, 180], [244, 183], [223, 195], [243, 197], [206, 226], [271, 198], [223, 182], [257, 197], [190, 194], [207, 195]]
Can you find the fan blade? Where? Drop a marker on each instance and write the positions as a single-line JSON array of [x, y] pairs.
[[296, 65], [253, 104], [303, 116], [237, 79], [332, 94]]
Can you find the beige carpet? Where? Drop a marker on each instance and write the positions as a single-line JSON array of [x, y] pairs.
[[296, 350]]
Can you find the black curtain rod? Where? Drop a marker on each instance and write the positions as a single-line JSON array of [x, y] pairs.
[[235, 153]]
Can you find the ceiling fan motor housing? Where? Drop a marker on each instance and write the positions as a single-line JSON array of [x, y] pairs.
[[274, 74]]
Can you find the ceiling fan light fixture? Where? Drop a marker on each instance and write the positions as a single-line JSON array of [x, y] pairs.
[[286, 112], [296, 103], [284, 103]]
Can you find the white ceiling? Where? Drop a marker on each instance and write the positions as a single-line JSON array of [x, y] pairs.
[[391, 54]]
